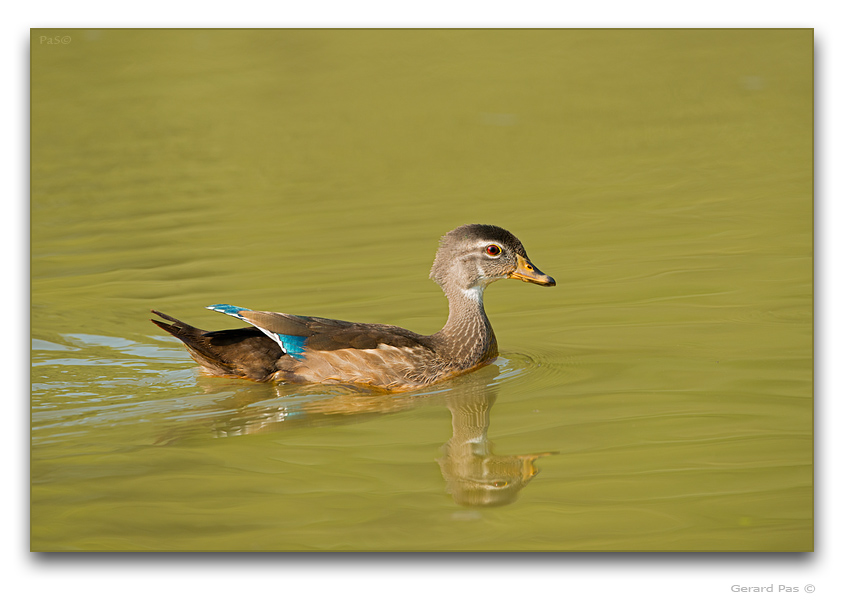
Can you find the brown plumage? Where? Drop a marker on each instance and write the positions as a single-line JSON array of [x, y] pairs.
[[283, 347]]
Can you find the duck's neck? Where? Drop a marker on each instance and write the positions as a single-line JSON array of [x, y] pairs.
[[467, 338]]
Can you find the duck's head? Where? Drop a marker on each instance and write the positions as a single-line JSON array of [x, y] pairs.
[[473, 256]]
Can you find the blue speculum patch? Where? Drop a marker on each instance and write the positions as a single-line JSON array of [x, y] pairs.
[[294, 345], [227, 309]]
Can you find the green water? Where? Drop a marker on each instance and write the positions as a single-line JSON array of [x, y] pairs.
[[663, 388]]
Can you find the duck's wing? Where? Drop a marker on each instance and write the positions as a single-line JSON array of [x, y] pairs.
[[296, 334]]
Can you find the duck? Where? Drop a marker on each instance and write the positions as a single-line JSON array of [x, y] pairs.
[[281, 347]]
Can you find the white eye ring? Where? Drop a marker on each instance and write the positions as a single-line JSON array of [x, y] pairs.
[[493, 250]]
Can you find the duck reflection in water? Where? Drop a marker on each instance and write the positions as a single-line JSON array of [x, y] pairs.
[[474, 474]]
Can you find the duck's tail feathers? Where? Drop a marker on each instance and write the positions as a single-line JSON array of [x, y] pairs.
[[244, 352]]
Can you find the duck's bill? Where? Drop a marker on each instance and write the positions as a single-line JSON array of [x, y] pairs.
[[525, 271], [529, 470]]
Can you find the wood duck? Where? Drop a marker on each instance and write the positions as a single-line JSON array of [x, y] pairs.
[[296, 349]]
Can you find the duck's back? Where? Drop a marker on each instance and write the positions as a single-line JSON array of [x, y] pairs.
[[299, 349], [367, 354]]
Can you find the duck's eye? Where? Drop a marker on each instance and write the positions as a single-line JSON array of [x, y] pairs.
[[493, 250]]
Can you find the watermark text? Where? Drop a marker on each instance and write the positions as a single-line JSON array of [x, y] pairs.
[[771, 588], [58, 40]]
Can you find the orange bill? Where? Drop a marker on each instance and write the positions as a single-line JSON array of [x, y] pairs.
[[525, 271]]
